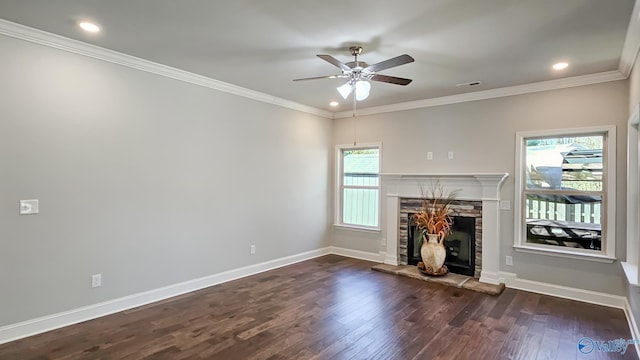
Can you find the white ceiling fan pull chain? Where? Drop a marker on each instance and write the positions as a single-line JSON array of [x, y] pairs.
[[354, 116]]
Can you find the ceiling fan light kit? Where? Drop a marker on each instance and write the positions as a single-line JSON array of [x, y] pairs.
[[362, 89], [359, 73], [345, 90]]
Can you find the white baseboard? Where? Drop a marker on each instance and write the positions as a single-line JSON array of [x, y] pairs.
[[511, 280], [490, 277], [633, 324], [389, 259], [56, 321], [357, 254]]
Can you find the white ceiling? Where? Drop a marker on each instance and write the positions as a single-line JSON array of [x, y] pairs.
[[263, 44]]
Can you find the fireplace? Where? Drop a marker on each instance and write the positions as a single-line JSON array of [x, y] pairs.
[[460, 245], [479, 198], [468, 214]]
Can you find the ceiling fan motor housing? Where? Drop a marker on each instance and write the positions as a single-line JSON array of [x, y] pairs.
[[359, 70]]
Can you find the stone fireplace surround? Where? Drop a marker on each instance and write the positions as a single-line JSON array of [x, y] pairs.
[[482, 187], [472, 209]]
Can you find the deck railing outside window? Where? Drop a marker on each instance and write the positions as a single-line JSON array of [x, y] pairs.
[[563, 193], [360, 204], [360, 186], [589, 213]]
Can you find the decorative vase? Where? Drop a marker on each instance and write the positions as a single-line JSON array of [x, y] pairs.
[[433, 253]]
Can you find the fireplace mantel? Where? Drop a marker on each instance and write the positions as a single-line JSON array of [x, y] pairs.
[[483, 187], [473, 186]]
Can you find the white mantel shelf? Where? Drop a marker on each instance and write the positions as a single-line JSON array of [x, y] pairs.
[[483, 187], [472, 186]]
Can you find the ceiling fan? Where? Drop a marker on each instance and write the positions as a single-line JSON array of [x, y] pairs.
[[359, 73]]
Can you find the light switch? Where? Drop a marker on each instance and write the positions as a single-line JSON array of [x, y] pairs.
[[29, 207]]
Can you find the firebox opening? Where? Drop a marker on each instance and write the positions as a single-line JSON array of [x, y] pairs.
[[460, 245]]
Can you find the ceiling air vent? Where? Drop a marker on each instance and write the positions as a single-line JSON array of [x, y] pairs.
[[472, 83]]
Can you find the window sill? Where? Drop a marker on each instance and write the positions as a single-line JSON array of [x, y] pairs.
[[357, 228], [564, 254], [631, 271]]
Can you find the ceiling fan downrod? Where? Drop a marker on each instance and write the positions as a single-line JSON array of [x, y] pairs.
[[355, 51]]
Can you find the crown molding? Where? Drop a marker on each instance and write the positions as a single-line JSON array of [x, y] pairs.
[[631, 42], [18, 31], [491, 94], [26, 33]]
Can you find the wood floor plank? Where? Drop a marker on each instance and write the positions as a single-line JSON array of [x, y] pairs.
[[334, 307]]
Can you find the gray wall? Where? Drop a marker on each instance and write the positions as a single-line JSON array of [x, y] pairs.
[[147, 180], [482, 136], [152, 181]]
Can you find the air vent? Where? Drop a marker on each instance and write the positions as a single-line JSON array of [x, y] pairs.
[[472, 83]]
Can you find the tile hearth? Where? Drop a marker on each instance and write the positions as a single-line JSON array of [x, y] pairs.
[[455, 280]]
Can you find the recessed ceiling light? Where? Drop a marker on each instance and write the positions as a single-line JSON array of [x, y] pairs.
[[560, 66], [89, 26], [334, 103]]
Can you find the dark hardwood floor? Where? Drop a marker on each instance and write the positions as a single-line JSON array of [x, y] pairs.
[[337, 308]]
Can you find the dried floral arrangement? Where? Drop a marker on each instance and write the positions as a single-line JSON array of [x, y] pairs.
[[434, 217]]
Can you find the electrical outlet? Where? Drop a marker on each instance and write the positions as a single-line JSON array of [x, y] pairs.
[[29, 207], [429, 155], [509, 260], [450, 155], [96, 280], [383, 242], [252, 250]]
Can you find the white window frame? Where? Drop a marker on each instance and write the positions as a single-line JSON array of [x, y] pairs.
[[630, 266], [339, 185], [607, 253]]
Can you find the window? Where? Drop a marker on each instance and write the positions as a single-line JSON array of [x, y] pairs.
[[359, 186], [563, 182]]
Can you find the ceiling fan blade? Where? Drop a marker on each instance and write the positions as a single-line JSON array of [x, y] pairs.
[[331, 60], [391, 79], [396, 61], [322, 77]]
